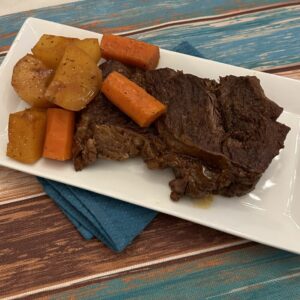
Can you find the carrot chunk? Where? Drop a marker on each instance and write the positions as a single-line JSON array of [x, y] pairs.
[[133, 100], [59, 134], [130, 51]]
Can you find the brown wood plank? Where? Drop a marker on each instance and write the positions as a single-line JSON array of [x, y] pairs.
[[291, 71], [295, 74], [251, 271], [39, 246], [16, 185], [156, 274]]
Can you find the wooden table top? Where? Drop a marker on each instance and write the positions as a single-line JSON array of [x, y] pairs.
[[41, 253]]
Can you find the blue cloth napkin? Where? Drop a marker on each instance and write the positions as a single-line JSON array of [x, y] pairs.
[[115, 223]]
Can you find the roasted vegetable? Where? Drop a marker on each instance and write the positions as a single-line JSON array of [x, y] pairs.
[[130, 51], [91, 47], [51, 48], [132, 99], [26, 133], [59, 134], [76, 81], [30, 79]]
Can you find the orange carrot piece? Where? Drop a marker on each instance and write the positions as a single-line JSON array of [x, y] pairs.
[[59, 134], [130, 51], [132, 99]]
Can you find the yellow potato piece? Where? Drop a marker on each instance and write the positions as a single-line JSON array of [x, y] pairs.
[[26, 134], [51, 48], [91, 47], [76, 81], [30, 79]]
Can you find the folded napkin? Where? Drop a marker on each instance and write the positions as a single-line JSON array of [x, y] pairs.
[[115, 223]]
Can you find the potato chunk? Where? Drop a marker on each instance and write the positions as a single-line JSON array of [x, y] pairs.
[[51, 48], [26, 134], [76, 81], [30, 79], [91, 47]]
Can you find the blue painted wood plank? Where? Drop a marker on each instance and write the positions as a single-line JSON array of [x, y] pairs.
[[122, 15], [263, 39], [257, 272]]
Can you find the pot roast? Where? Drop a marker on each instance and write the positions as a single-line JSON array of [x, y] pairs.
[[218, 138]]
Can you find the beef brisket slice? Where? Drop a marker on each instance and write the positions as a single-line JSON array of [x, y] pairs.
[[99, 134], [252, 137], [217, 138], [252, 134], [231, 125]]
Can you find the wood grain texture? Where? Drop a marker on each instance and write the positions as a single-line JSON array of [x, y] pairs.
[[117, 15], [15, 185], [39, 247], [252, 272], [264, 39], [291, 71], [246, 43], [295, 74]]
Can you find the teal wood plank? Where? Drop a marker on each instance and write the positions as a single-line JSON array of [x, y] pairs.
[[256, 272], [263, 39], [122, 15]]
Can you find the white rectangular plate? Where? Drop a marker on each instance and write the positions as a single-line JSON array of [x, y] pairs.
[[269, 215]]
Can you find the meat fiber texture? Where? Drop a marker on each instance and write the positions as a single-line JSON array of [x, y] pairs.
[[218, 138]]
